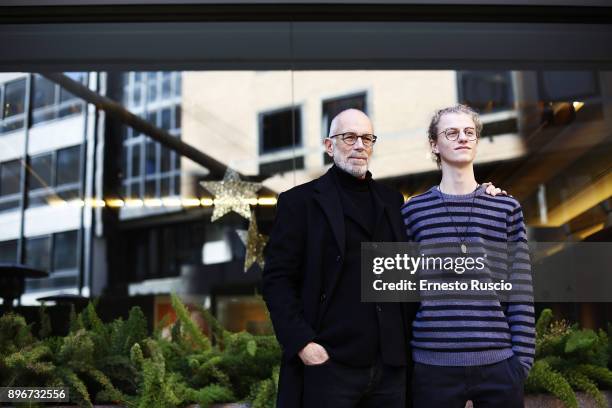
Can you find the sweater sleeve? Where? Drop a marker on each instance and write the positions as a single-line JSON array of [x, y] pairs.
[[520, 309]]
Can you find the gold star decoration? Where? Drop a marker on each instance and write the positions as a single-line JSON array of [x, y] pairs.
[[231, 194], [254, 243]]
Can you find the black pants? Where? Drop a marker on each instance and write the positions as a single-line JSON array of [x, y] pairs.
[[336, 385], [498, 385]]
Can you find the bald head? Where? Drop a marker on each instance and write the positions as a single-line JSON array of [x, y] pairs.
[[351, 120], [352, 158]]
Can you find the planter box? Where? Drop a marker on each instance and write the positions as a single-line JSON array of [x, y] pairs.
[[233, 405], [548, 401], [229, 405], [531, 401]]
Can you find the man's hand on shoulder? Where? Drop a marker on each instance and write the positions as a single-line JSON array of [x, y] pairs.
[[313, 354], [490, 189]]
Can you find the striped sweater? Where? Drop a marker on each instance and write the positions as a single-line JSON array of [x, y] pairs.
[[467, 331]]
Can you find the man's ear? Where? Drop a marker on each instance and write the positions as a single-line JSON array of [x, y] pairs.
[[329, 146]]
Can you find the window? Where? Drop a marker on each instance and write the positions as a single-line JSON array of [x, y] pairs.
[[486, 91], [77, 76], [161, 251], [165, 187], [135, 150], [8, 251], [166, 119], [166, 85], [54, 175], [10, 180], [150, 188], [65, 250], [152, 86], [13, 105], [41, 171], [43, 95], [50, 101], [332, 107], [149, 169], [137, 90], [135, 190], [276, 130], [67, 166], [150, 157], [177, 116], [38, 252], [165, 159], [57, 254], [53, 253], [567, 85], [10, 176], [280, 131], [489, 92]]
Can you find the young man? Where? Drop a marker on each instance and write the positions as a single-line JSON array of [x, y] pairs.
[[469, 347]]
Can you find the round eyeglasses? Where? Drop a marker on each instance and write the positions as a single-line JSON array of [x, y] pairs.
[[350, 138], [452, 134]]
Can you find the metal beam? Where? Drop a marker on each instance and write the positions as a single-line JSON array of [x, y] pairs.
[[120, 113]]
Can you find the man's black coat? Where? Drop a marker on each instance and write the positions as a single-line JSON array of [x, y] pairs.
[[304, 260]]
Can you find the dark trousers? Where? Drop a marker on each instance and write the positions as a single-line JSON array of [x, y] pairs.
[[335, 385], [498, 385]]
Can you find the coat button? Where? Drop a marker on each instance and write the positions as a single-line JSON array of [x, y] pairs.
[[323, 297], [338, 258], [378, 308]]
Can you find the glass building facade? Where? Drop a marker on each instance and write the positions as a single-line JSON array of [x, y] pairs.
[[138, 217]]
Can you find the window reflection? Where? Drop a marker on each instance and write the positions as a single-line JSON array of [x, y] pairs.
[[545, 139], [50, 101], [57, 254], [54, 176], [64, 251], [13, 104], [38, 252], [8, 251], [142, 173], [486, 91], [280, 130], [10, 185]]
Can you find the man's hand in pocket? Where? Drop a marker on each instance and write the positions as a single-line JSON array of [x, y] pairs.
[[313, 354]]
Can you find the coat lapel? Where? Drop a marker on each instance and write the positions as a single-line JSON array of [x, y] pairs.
[[383, 209], [326, 194]]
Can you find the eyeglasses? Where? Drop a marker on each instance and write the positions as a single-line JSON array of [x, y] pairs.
[[350, 138], [452, 134]]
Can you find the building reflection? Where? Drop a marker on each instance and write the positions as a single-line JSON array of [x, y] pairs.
[[107, 210]]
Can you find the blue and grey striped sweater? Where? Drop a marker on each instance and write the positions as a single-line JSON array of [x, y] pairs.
[[460, 331]]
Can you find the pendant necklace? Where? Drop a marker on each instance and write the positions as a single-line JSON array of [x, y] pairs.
[[462, 237]]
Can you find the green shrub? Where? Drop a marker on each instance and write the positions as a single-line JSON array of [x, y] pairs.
[[570, 359], [123, 362]]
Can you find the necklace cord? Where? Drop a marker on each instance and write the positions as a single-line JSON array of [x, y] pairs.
[[463, 239]]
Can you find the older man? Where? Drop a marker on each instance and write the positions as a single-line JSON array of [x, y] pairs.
[[337, 351]]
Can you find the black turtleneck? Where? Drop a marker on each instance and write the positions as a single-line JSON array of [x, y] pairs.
[[356, 192], [351, 182]]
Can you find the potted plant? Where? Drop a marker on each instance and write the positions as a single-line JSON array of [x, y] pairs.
[[569, 359], [122, 362]]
